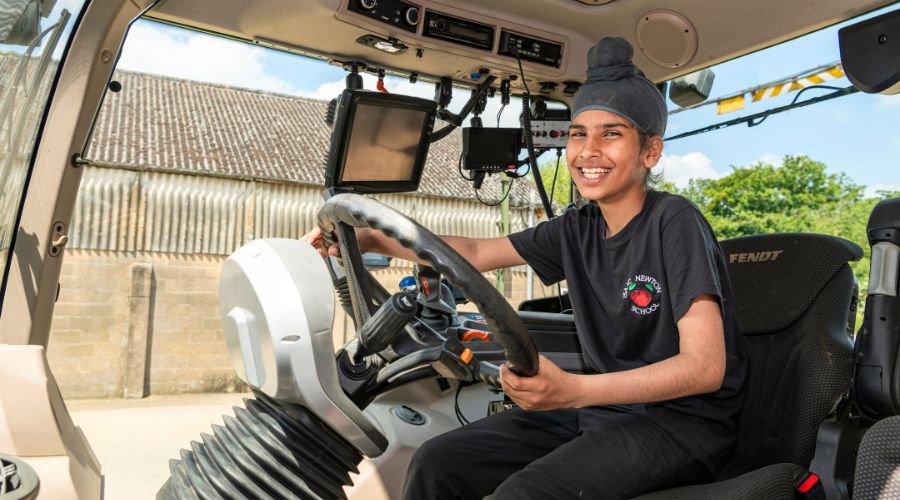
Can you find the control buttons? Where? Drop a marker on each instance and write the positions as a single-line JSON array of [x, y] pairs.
[[368, 4], [411, 16]]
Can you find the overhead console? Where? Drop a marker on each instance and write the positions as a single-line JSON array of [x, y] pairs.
[[456, 30], [530, 49], [429, 25], [397, 13]]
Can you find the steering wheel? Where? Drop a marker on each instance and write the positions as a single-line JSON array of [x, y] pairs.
[[507, 328]]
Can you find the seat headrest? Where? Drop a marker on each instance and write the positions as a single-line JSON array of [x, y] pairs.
[[775, 277]]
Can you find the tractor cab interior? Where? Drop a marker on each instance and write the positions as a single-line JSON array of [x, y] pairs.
[[823, 394], [796, 301]]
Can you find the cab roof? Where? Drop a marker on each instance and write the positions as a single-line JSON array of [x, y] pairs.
[[671, 37]]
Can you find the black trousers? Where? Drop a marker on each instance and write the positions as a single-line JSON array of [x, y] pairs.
[[590, 453]]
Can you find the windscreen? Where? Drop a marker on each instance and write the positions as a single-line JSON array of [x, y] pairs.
[[383, 144]]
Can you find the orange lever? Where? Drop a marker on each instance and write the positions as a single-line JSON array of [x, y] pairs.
[[475, 334]]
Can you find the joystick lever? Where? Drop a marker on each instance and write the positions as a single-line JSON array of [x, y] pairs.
[[386, 324]]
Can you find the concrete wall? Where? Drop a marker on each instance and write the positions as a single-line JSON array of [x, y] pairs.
[[137, 323]]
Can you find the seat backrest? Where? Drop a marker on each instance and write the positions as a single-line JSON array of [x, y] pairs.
[[795, 301]]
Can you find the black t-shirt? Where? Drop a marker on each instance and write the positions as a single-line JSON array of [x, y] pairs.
[[628, 293]]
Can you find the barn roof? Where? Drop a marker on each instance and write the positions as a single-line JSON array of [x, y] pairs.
[[175, 125]]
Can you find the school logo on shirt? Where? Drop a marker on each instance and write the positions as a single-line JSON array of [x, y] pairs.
[[642, 293]]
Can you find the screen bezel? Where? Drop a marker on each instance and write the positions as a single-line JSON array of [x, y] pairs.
[[347, 105]]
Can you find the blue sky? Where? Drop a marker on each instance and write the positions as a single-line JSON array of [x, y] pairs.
[[858, 135]]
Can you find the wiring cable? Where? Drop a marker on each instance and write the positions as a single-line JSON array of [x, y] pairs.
[[555, 173], [758, 118], [508, 188], [529, 145], [459, 414]]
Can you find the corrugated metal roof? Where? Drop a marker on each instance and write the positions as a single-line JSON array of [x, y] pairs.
[[179, 125]]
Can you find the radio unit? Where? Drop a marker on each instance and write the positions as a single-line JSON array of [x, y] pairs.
[[444, 27], [530, 49]]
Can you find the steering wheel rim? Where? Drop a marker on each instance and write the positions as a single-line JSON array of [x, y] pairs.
[[507, 328]]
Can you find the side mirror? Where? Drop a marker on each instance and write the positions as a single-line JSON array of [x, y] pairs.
[[21, 23], [870, 53], [691, 89]]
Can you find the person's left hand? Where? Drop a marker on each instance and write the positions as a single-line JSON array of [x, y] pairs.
[[550, 389]]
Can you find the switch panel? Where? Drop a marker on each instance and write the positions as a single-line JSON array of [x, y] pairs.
[[549, 133]]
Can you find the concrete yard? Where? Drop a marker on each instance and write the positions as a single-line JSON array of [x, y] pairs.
[[135, 438]]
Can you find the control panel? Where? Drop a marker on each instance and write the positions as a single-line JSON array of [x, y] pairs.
[[530, 49], [398, 13], [549, 133]]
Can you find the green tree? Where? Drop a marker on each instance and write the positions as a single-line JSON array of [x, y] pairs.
[[549, 170], [798, 196], [764, 198]]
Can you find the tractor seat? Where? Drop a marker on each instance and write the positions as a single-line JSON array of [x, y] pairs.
[[795, 302]]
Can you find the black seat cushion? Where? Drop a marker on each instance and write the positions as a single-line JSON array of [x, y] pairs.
[[878, 462], [773, 482]]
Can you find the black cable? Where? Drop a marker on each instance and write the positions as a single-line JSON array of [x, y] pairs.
[[502, 107], [508, 188], [751, 123], [529, 145], [555, 173], [459, 167], [522, 73], [459, 414], [750, 120]]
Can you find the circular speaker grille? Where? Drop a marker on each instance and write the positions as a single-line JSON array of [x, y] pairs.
[[666, 38]]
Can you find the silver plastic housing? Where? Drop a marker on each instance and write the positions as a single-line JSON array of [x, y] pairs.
[[277, 308], [883, 272]]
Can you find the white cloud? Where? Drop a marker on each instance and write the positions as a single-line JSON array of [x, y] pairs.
[[889, 101], [680, 169], [872, 191], [770, 159], [330, 90], [195, 56]]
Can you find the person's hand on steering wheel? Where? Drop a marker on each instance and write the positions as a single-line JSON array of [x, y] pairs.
[[550, 389]]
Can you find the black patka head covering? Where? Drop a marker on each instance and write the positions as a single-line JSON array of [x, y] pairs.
[[616, 85]]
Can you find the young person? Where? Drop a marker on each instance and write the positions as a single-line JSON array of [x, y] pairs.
[[654, 313]]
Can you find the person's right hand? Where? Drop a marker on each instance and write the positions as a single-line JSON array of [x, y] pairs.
[[316, 239]]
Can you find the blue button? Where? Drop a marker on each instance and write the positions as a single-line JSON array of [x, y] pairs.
[[408, 283]]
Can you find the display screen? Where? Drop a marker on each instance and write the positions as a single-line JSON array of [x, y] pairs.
[[383, 145], [491, 149], [379, 143]]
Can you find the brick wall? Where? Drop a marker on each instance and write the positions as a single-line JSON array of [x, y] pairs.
[[137, 323]]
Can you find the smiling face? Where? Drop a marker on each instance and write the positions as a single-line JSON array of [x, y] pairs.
[[605, 157]]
